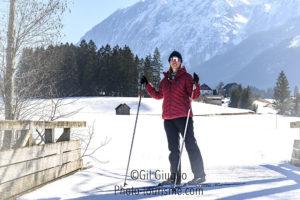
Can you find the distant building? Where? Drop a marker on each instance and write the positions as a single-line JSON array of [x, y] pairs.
[[229, 88], [215, 100], [266, 103], [122, 109], [205, 90]]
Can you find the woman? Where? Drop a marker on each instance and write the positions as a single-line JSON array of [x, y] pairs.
[[176, 89]]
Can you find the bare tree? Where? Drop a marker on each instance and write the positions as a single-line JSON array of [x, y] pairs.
[[86, 137], [31, 23]]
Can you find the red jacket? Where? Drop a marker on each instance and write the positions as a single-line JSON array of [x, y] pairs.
[[176, 94]]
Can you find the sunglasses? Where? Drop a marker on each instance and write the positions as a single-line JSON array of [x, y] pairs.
[[176, 59]]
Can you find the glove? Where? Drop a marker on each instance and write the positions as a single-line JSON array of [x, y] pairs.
[[196, 78], [144, 80]]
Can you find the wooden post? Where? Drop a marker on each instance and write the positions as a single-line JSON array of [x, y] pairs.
[[296, 153], [1, 139], [30, 141], [27, 140], [65, 135], [296, 147], [7, 139], [295, 125], [49, 136], [21, 139]]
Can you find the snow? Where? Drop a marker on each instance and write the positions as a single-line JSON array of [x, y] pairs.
[[230, 2], [164, 2], [246, 2], [226, 39], [268, 7], [265, 107], [233, 3], [295, 42], [240, 19], [251, 148]]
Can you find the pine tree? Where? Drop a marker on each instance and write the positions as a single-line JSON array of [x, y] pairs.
[[130, 73], [68, 85], [235, 97], [141, 64], [296, 91], [157, 68], [282, 94], [115, 73], [104, 77], [139, 68], [91, 68], [296, 108], [246, 99], [81, 63], [148, 71], [87, 63], [68, 70]]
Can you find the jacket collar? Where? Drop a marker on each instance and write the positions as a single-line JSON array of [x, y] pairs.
[[180, 71]]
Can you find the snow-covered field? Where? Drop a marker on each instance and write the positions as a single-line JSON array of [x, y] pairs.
[[251, 148]]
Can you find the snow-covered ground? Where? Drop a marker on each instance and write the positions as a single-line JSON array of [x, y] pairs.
[[265, 106], [250, 148]]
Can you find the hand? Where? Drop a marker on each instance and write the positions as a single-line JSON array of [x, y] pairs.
[[144, 80], [196, 78]]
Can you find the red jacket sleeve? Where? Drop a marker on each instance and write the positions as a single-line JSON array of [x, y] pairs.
[[153, 93], [189, 87]]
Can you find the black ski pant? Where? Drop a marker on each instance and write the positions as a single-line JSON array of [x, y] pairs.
[[173, 128]]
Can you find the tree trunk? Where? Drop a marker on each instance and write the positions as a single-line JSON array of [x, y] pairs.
[[10, 61]]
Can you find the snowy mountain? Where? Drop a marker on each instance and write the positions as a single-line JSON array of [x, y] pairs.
[[266, 52], [200, 30], [269, 64]]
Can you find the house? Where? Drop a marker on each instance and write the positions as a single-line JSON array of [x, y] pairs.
[[122, 109], [215, 100], [265, 103], [229, 88], [205, 90]]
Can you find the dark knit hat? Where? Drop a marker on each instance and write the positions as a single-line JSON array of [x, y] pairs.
[[175, 54]]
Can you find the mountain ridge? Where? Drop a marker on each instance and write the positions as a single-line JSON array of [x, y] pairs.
[[201, 31]]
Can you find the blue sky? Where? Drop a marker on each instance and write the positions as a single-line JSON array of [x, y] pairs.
[[87, 13]]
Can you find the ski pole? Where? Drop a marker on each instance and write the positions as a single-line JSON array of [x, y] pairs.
[[137, 115], [185, 130]]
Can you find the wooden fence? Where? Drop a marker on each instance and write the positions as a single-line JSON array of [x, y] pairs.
[[24, 168], [296, 148]]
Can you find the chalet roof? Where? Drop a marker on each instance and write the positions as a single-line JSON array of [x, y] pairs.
[[122, 105], [229, 85], [205, 87]]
